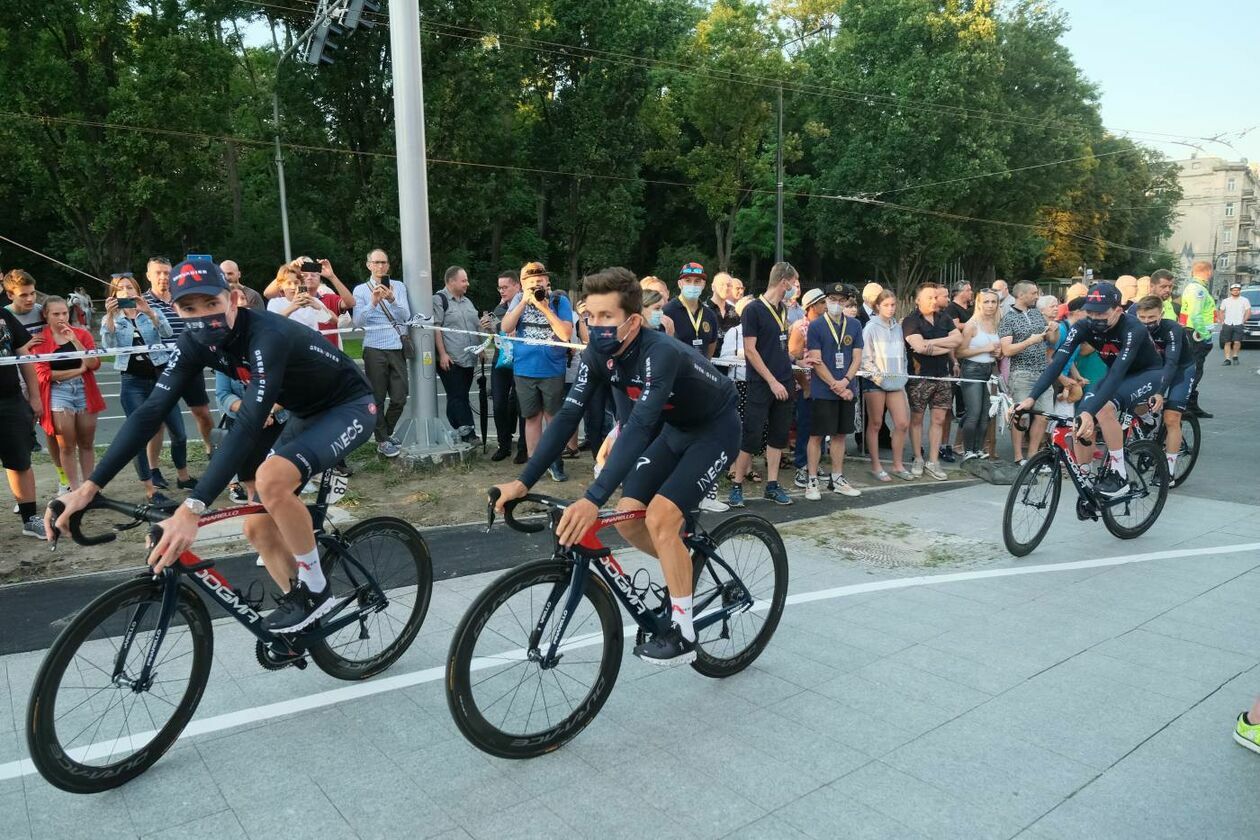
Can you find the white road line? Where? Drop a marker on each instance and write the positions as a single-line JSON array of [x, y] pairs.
[[242, 717]]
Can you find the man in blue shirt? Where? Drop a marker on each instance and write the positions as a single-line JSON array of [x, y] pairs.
[[380, 305], [539, 314], [694, 323], [833, 351]]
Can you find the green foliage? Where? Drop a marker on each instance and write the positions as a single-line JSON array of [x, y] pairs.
[[649, 140]]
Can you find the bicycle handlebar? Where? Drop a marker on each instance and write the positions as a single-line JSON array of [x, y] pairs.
[[1022, 419], [492, 496], [138, 514]]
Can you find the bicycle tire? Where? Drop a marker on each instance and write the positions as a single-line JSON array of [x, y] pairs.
[[332, 654], [1189, 456], [469, 717], [1141, 454], [707, 661], [1028, 474], [51, 758]]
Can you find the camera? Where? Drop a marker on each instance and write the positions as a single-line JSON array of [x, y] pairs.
[[540, 294], [311, 266]]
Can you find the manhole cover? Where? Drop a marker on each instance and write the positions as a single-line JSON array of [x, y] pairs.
[[882, 554]]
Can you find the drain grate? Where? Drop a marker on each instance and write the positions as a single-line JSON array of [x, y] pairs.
[[875, 553]]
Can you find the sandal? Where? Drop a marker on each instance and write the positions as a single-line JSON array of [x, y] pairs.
[[754, 476], [570, 452], [904, 475], [882, 475]]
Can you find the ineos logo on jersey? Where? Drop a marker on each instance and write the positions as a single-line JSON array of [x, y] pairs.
[[347, 437]]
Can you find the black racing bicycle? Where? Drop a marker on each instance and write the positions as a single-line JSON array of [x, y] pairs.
[[1157, 430], [538, 652], [1034, 496], [123, 679]]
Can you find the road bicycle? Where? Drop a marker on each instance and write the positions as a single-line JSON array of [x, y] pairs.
[[123, 679], [1156, 430], [1034, 496], [537, 653]]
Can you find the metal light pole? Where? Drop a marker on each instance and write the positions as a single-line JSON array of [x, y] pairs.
[[284, 200], [421, 428], [778, 190]]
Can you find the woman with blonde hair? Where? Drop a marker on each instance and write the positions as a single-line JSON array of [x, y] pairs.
[[651, 283], [67, 388], [979, 353], [884, 366]]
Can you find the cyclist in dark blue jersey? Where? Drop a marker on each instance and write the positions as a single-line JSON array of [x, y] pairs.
[[1178, 373], [680, 429], [1135, 372], [285, 365]]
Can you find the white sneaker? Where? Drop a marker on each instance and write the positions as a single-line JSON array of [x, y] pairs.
[[258, 561], [970, 455], [802, 477], [62, 489], [934, 469], [714, 505], [811, 489], [841, 485], [916, 468]]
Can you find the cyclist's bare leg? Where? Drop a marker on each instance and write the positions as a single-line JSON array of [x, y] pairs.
[[635, 531], [1036, 434], [266, 540], [276, 481], [1110, 426], [664, 522], [1172, 426]]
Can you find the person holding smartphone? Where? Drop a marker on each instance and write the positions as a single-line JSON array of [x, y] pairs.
[[68, 391], [131, 321], [380, 305]]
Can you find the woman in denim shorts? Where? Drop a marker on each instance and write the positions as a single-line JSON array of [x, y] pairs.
[[68, 390]]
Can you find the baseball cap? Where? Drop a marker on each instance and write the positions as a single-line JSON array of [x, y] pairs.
[[533, 269], [811, 297], [691, 271], [197, 277], [1102, 297], [1235, 285]]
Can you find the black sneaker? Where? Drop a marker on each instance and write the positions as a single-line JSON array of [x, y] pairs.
[[946, 454], [501, 453], [159, 502], [1228, 363], [1111, 484], [299, 608], [186, 484], [237, 493], [160, 483], [668, 648], [522, 457]]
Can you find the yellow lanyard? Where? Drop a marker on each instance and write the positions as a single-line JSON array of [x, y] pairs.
[[844, 326], [696, 321], [782, 322]]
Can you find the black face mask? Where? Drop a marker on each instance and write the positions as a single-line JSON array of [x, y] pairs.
[[1095, 326], [208, 330]]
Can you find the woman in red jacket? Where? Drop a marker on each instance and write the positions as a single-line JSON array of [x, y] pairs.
[[68, 390]]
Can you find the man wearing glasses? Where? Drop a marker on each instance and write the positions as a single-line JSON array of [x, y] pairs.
[[380, 305]]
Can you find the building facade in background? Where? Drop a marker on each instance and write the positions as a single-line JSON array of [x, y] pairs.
[[1217, 219]]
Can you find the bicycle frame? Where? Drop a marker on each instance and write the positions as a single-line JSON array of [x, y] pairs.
[[590, 554], [1059, 431], [218, 590]]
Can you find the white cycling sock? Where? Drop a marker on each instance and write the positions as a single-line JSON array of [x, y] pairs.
[[1115, 460], [682, 616], [309, 571], [1172, 462]]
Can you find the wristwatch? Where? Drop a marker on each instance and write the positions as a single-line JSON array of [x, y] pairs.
[[197, 506]]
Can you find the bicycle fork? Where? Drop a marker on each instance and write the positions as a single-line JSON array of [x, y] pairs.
[[575, 586], [170, 597]]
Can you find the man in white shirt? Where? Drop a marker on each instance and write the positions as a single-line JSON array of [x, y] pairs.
[[1235, 310]]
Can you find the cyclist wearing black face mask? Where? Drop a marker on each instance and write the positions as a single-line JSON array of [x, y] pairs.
[[1178, 378], [680, 431], [285, 365], [1135, 373]]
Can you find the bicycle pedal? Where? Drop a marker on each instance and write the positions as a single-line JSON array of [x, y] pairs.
[[300, 664]]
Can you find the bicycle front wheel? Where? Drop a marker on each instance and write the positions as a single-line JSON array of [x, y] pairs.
[[1132, 514], [753, 550], [503, 698], [1031, 503], [391, 553], [91, 724]]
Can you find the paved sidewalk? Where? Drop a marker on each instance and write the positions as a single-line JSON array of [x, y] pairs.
[[1062, 703]]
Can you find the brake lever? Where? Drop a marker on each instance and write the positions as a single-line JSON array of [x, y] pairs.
[[492, 497], [57, 507]]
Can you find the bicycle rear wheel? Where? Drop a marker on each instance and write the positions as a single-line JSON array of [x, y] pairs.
[[393, 554], [1188, 455], [88, 730], [502, 698], [754, 551], [1132, 514], [1031, 503]]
